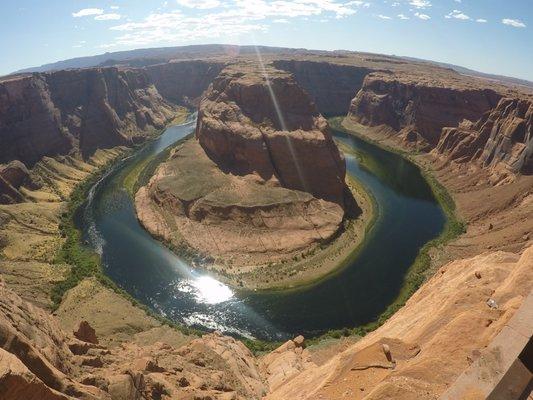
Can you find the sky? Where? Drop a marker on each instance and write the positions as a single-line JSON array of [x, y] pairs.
[[493, 36]]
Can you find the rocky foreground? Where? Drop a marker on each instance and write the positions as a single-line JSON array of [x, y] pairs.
[[261, 182], [465, 308]]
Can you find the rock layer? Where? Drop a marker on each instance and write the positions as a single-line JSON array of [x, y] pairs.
[[248, 123], [183, 82], [419, 106], [502, 138], [66, 112], [264, 180], [331, 86]]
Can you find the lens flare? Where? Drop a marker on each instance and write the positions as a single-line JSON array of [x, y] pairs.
[[281, 119]]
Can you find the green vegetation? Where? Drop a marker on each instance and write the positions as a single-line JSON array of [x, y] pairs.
[[85, 263]]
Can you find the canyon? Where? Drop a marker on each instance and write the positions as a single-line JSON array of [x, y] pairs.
[[474, 136], [262, 182]]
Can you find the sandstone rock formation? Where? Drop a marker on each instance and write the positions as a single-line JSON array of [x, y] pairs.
[[502, 138], [263, 181], [12, 177], [248, 124], [419, 105], [183, 82], [39, 361], [432, 339], [73, 111], [331, 86]]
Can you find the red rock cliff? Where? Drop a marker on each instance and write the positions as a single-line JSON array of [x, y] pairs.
[[331, 86], [76, 110], [248, 124], [420, 104], [503, 137], [183, 82]]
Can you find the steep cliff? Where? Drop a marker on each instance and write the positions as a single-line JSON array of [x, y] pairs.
[[331, 86], [73, 111], [419, 105], [262, 182], [502, 138], [250, 124], [183, 82]]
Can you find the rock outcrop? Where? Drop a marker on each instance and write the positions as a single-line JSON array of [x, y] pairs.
[[419, 106], [250, 124], [447, 319], [14, 176], [502, 138], [264, 180], [38, 360], [77, 111]]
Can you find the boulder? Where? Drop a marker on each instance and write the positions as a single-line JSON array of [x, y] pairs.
[[86, 333]]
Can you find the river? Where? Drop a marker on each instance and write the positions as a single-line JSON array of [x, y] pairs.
[[408, 217]]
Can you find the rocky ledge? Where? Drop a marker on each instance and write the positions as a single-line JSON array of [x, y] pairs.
[[418, 106], [502, 139], [77, 112], [262, 181]]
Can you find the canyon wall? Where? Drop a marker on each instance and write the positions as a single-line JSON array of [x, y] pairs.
[[331, 86], [263, 182], [420, 105], [183, 82], [72, 111], [502, 138], [247, 124]]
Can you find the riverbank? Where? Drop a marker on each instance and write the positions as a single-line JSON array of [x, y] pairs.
[[488, 216], [301, 270], [454, 227]]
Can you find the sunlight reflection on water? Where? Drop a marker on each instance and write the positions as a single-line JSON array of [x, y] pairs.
[[206, 290]]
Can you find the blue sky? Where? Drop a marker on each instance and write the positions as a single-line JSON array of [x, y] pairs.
[[492, 36]]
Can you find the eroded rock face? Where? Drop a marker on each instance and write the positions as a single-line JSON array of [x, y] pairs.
[[502, 138], [37, 362], [331, 86], [183, 82], [73, 111], [263, 182], [34, 353], [248, 124], [418, 105], [12, 177]]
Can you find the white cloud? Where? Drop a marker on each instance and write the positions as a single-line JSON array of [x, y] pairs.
[[200, 4], [513, 22], [358, 3], [281, 21], [424, 17], [233, 18], [79, 44], [402, 16], [107, 17], [481, 20], [420, 3], [88, 11], [458, 15], [114, 7], [458, 1], [384, 16], [395, 4]]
